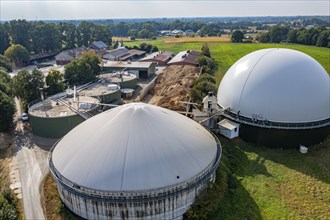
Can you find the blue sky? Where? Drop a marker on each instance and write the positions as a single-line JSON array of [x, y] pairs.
[[84, 9]]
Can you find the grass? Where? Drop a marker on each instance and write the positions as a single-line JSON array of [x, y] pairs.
[[196, 40], [226, 54], [53, 208], [274, 183]]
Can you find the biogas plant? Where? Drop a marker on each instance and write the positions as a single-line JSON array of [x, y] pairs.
[[135, 161], [277, 97]]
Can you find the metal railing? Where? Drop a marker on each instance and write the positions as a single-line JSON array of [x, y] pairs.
[[279, 125], [140, 195]]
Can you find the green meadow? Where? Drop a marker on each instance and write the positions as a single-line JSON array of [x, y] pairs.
[[226, 54], [255, 182]]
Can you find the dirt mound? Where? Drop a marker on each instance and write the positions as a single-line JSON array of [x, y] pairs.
[[173, 86]]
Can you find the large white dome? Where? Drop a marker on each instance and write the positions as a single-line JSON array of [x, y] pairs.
[[134, 147], [278, 85]]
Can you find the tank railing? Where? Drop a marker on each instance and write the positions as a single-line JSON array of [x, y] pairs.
[[86, 115], [279, 125], [137, 196]]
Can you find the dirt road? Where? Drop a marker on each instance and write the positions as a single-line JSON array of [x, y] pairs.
[[32, 163]]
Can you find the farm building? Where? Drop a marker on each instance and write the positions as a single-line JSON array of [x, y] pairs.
[[56, 116], [280, 97], [185, 58], [67, 56], [142, 70], [136, 161], [159, 57], [122, 54], [98, 46]]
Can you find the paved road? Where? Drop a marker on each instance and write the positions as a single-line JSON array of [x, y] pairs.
[[32, 164]]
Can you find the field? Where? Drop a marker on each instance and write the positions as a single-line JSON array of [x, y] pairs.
[[196, 40], [226, 54], [256, 182]]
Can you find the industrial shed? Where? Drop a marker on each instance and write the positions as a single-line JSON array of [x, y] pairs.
[[280, 97], [159, 57], [142, 70], [188, 57], [136, 161]]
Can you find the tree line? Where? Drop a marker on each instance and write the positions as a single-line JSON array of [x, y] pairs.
[[316, 36], [41, 37]]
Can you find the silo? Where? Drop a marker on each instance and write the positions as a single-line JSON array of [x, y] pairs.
[[280, 98], [136, 161]]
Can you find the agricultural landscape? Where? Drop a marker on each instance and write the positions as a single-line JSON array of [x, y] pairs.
[[252, 181]]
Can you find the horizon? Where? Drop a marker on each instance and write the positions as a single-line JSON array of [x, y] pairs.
[[156, 9]]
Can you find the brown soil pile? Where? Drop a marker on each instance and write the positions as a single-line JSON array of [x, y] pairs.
[[173, 86]]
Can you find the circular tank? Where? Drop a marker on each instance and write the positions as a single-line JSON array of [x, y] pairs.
[[54, 117], [279, 89], [136, 161]]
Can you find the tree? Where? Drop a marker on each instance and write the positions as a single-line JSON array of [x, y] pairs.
[[5, 63], [206, 50], [237, 36], [27, 86], [17, 54], [206, 63], [20, 32], [7, 111], [263, 37], [54, 81], [323, 39], [292, 36], [4, 38], [278, 33], [84, 69]]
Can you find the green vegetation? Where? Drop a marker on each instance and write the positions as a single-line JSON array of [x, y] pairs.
[[54, 208], [226, 54], [83, 69], [54, 81], [9, 204], [27, 86], [7, 106], [263, 183], [17, 54]]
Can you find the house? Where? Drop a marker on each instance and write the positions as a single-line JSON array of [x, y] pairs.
[[123, 54], [159, 57], [98, 45], [67, 56], [177, 32], [166, 32], [189, 33], [140, 69], [185, 58]]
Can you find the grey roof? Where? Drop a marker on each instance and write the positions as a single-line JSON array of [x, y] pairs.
[[70, 54], [158, 56], [119, 52], [134, 147], [188, 56], [99, 45], [125, 64]]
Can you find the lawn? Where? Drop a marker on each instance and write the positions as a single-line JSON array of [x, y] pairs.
[[226, 54]]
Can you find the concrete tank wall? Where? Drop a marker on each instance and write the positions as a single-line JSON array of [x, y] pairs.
[[129, 84], [171, 207], [53, 127], [109, 98]]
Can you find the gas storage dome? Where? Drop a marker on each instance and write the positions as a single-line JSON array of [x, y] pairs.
[[136, 161], [278, 89]]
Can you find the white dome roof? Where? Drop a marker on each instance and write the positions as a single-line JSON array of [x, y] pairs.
[[279, 85], [134, 147]]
